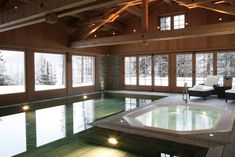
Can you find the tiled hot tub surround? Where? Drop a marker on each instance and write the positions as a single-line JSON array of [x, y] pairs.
[[224, 122]]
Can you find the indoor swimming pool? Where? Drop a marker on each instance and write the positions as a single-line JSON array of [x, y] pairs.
[[51, 128]]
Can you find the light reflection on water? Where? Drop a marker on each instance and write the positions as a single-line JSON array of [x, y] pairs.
[[50, 124], [55, 123], [12, 134]]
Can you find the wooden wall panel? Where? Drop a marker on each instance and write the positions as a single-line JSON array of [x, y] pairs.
[[50, 39], [41, 36]]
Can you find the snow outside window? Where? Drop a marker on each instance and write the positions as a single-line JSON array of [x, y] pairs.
[[165, 23], [204, 66], [145, 68], [161, 70], [12, 72], [130, 70], [49, 71], [179, 21], [226, 64], [184, 70], [83, 70]]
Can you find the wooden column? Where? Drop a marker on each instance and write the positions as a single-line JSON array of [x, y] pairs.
[[145, 18]]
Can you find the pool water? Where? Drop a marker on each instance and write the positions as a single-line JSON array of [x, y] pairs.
[[51, 128], [180, 118]]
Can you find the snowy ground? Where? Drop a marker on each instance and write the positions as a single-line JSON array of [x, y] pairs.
[[48, 87], [83, 84], [11, 89]]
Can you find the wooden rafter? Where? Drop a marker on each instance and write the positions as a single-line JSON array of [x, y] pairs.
[[111, 18], [26, 1], [193, 32], [145, 16], [135, 11], [35, 12], [207, 4]]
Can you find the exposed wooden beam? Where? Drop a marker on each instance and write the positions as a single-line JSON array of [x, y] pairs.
[[135, 11], [115, 26], [51, 18], [218, 8], [111, 18], [190, 32], [206, 4], [35, 12], [145, 16], [26, 1]]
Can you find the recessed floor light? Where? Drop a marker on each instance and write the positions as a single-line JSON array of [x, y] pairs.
[[25, 107], [113, 141]]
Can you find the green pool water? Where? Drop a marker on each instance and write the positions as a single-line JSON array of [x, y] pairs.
[[180, 118], [52, 128]]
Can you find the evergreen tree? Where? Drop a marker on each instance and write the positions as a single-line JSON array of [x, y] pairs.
[[45, 73], [4, 79]]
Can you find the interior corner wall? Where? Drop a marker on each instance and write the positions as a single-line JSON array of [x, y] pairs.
[[113, 72]]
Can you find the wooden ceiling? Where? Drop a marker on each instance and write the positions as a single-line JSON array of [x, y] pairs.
[[85, 17]]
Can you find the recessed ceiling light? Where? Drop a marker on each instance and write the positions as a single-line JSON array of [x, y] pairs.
[[134, 30], [84, 97], [114, 33], [113, 141], [15, 7], [220, 19]]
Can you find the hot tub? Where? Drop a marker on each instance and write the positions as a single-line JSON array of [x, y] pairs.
[[182, 119]]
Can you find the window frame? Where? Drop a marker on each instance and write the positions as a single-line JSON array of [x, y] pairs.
[[93, 71], [192, 66], [172, 15], [216, 62], [65, 69], [25, 71]]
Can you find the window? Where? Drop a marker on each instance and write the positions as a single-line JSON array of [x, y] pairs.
[[161, 70], [165, 155], [49, 71], [179, 21], [184, 70], [226, 65], [130, 71], [83, 70], [204, 66], [50, 129], [145, 68], [165, 23], [12, 72]]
